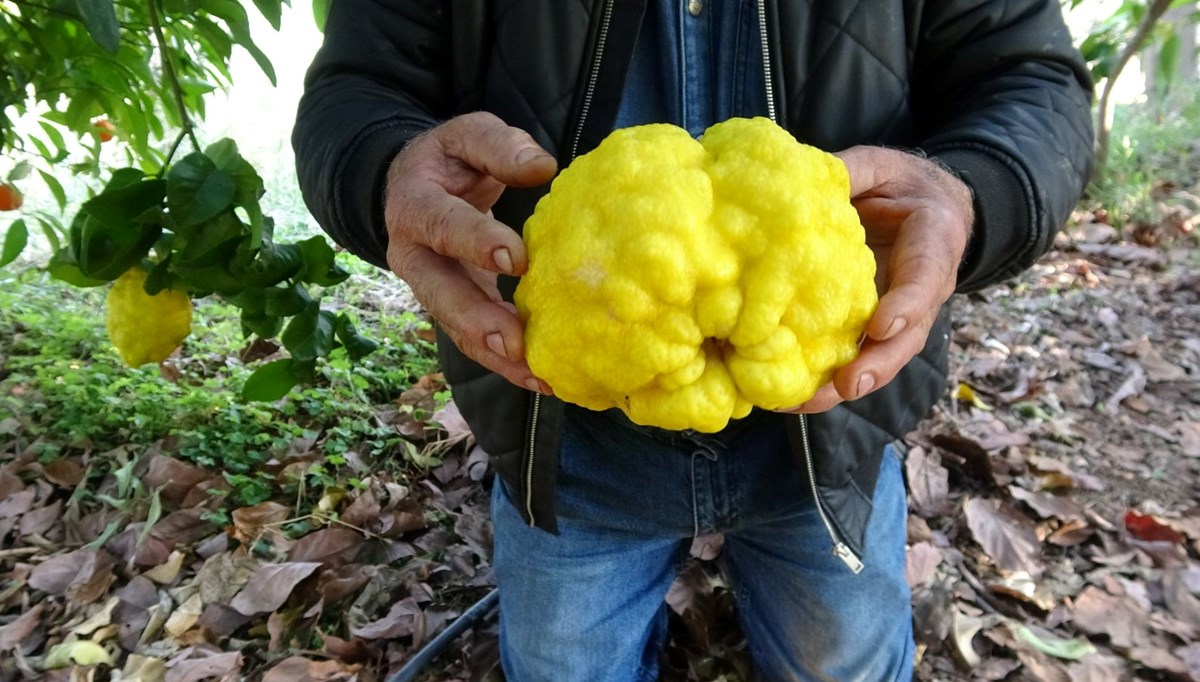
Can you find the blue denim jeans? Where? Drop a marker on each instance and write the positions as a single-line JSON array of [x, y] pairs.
[[587, 604]]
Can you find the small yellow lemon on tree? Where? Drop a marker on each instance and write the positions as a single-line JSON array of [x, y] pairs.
[[146, 328], [687, 281]]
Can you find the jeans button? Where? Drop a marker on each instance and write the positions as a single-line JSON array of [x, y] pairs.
[[694, 7]]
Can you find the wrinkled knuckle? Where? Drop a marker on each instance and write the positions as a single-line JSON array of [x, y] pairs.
[[399, 257], [441, 230]]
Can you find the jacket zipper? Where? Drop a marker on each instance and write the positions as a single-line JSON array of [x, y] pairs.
[[840, 549], [594, 75], [588, 93], [766, 54]]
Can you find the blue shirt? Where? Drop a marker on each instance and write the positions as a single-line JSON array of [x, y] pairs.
[[696, 62]]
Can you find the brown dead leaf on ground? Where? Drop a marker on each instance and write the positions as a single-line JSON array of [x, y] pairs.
[[196, 664], [83, 575], [19, 632], [1120, 618], [270, 587], [1006, 536], [297, 669], [929, 482], [336, 546]]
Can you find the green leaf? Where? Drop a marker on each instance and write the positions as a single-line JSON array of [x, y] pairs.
[[56, 188], [320, 267], [310, 334], [153, 514], [287, 301], [1168, 63], [262, 324], [270, 382], [111, 232], [1066, 649], [100, 18], [224, 154], [14, 242], [19, 171], [272, 11], [51, 228], [56, 139], [197, 190], [357, 345], [62, 266], [320, 10]]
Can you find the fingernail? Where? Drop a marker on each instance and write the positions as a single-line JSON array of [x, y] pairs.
[[529, 154], [533, 385], [865, 383], [503, 260], [495, 341], [898, 326]]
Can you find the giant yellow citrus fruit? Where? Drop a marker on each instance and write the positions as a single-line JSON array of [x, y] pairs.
[[146, 328]]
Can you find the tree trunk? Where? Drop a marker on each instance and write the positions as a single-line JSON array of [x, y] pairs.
[[1104, 114]]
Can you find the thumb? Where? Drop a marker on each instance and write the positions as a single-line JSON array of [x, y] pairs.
[[868, 167], [489, 145]]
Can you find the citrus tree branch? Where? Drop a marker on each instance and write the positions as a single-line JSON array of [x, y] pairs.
[[1103, 114], [185, 119]]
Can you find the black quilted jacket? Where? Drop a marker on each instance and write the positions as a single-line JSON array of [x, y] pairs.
[[993, 89]]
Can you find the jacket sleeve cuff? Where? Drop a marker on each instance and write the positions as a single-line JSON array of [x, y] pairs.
[[1000, 239], [361, 183]]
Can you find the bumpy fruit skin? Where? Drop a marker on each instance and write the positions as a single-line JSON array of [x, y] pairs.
[[10, 197], [146, 328], [686, 281]]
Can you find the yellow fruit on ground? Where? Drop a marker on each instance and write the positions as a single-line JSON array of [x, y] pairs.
[[146, 328], [687, 281]]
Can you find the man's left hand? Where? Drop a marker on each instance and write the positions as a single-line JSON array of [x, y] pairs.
[[918, 219]]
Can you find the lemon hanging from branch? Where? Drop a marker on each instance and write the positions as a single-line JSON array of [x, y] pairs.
[[146, 328], [687, 281]]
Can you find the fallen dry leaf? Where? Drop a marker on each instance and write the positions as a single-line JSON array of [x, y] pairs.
[[1007, 536], [17, 503], [65, 472], [1120, 618], [270, 586], [921, 563], [173, 478], [336, 546], [42, 520], [1179, 598], [1149, 529], [223, 575], [297, 668], [184, 618], [1048, 505], [249, 522], [142, 669], [929, 482], [101, 618], [21, 630], [1098, 668], [195, 664], [1043, 667], [400, 621], [165, 573], [83, 575]]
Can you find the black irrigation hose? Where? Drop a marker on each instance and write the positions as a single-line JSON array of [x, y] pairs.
[[417, 664]]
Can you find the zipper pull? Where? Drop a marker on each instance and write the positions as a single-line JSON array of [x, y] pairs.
[[841, 551]]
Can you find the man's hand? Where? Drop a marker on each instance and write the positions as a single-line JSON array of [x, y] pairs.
[[443, 241], [918, 219]]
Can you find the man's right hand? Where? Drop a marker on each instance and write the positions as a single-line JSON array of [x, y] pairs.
[[443, 241]]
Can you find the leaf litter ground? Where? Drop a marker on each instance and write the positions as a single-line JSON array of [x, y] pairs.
[[1054, 531]]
